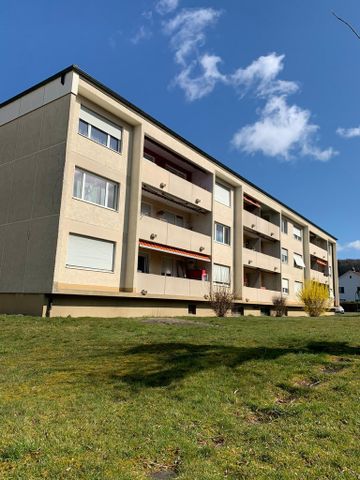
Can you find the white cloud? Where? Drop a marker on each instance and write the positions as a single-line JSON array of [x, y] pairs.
[[282, 131], [196, 87], [348, 132], [261, 74], [355, 245], [142, 34], [164, 7], [187, 31]]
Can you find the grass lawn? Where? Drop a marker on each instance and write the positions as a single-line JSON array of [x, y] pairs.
[[245, 398]]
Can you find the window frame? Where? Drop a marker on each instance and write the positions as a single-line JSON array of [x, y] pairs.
[[302, 259], [283, 256], [284, 222], [224, 228], [107, 180], [106, 121], [219, 282], [87, 268], [224, 187], [285, 291], [295, 236], [297, 282]]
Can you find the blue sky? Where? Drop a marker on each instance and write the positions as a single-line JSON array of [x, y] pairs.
[[270, 88]]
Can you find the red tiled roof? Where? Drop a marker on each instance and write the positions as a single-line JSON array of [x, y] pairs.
[[176, 251]]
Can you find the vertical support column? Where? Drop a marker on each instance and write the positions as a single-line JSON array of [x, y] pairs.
[[238, 243], [335, 275], [132, 209], [306, 241]]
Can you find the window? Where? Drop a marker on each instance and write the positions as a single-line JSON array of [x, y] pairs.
[[170, 217], [222, 233], [298, 261], [284, 255], [143, 263], [342, 289], [297, 232], [90, 253], [284, 225], [330, 270], [298, 287], [222, 194], [175, 171], [94, 189], [285, 286], [100, 129], [192, 309], [146, 209], [221, 274]]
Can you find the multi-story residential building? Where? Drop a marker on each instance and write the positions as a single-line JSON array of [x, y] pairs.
[[349, 286], [106, 211]]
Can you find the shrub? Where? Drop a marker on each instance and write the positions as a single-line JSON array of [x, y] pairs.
[[315, 297], [221, 300], [280, 305]]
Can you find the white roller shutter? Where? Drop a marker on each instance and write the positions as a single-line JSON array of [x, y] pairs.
[[222, 194], [100, 122], [90, 253]]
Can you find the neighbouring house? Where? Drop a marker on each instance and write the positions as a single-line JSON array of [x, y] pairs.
[[106, 211], [349, 286]]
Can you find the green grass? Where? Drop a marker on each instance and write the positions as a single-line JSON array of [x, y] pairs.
[[248, 398]]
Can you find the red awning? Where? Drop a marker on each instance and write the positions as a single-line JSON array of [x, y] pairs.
[[253, 202], [175, 251], [321, 262]]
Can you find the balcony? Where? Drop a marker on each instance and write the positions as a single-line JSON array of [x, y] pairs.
[[172, 286], [254, 259], [318, 276], [259, 295], [168, 234], [258, 224], [318, 251], [172, 185]]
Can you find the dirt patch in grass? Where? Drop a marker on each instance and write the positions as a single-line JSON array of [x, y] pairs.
[[267, 414], [333, 368], [310, 382], [175, 321]]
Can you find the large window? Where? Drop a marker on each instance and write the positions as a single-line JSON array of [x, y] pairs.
[[222, 233], [94, 189], [297, 232], [143, 263], [284, 255], [90, 253], [170, 217], [99, 129], [285, 286], [298, 261], [222, 194], [221, 274]]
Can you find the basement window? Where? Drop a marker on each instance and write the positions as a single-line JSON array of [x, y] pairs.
[[192, 309]]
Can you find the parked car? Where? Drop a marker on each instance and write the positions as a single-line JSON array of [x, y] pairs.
[[339, 309]]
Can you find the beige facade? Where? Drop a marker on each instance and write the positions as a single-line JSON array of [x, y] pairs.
[[104, 211]]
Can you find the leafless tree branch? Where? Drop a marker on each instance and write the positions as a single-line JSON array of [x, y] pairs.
[[347, 24]]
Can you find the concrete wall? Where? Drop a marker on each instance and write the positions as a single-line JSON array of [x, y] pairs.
[[32, 160]]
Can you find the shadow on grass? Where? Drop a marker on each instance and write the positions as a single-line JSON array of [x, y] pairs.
[[161, 364]]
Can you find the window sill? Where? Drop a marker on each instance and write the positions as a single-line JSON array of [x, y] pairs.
[[88, 269], [119, 152]]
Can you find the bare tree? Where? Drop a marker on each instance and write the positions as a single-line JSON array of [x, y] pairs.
[[347, 24], [280, 305], [221, 299]]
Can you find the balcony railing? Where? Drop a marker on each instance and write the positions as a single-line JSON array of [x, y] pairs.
[[318, 276], [258, 224], [259, 295], [254, 259], [158, 231], [176, 186], [318, 251], [151, 284]]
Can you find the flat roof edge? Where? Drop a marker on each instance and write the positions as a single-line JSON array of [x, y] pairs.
[[138, 110]]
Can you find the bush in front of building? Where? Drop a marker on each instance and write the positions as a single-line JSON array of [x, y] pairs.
[[221, 299], [280, 305], [315, 297]]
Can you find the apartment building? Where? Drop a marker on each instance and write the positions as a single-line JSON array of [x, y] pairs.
[[106, 211]]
